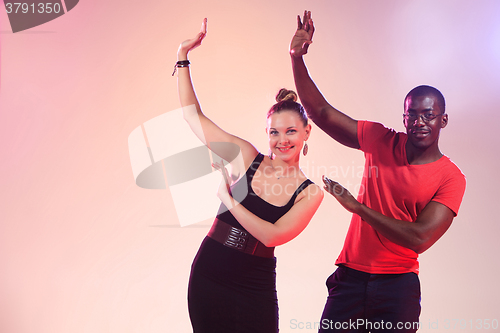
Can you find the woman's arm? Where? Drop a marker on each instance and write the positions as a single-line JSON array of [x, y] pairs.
[[207, 131], [286, 228]]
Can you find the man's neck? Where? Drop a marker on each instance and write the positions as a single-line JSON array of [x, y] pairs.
[[417, 156]]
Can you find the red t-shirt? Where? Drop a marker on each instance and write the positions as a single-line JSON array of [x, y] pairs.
[[396, 189]]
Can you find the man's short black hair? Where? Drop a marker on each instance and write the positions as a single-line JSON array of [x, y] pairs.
[[425, 91]]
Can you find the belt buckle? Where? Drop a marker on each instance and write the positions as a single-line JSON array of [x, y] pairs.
[[236, 239]]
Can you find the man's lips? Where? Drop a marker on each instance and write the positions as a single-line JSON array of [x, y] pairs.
[[420, 133]]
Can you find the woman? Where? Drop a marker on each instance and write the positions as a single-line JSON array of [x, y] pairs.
[[266, 201]]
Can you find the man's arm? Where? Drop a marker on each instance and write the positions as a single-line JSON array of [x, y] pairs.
[[335, 123], [418, 236]]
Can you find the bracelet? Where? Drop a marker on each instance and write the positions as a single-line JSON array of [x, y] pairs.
[[180, 64]]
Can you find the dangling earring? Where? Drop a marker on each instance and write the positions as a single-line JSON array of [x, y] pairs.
[[270, 154], [306, 149]]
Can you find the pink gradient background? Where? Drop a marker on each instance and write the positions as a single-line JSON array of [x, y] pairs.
[[83, 249]]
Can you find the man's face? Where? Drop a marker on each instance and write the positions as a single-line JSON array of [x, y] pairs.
[[423, 120]]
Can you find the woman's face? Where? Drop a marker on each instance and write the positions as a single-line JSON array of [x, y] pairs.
[[287, 134]]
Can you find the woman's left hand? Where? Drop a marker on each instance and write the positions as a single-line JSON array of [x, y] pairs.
[[224, 191], [343, 196]]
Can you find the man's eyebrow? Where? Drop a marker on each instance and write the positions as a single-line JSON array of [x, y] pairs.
[[425, 110]]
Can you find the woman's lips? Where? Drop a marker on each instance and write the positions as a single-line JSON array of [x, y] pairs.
[[284, 149]]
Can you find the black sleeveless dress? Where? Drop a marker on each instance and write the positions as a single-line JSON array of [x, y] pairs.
[[231, 291]]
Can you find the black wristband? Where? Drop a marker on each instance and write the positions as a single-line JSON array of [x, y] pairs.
[[180, 64]]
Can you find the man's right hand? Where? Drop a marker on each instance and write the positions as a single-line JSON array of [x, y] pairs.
[[303, 36], [336, 124]]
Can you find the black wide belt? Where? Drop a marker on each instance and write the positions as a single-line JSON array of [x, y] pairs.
[[239, 240]]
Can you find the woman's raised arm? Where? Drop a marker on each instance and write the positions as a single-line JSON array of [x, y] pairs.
[[207, 131]]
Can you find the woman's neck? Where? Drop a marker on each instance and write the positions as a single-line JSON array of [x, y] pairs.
[[286, 168]]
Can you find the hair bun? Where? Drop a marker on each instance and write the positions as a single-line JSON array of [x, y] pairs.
[[286, 95]]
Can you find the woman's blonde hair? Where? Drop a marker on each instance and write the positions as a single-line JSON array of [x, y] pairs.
[[287, 101]]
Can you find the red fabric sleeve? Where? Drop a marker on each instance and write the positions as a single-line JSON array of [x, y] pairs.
[[376, 131], [450, 193]]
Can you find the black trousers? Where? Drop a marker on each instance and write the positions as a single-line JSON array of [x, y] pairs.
[[364, 302]]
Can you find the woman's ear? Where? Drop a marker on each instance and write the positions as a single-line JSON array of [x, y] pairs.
[[308, 131]]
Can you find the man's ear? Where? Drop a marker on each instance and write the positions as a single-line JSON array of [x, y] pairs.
[[444, 120]]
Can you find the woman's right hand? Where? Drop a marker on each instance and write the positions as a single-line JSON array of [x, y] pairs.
[[191, 44]]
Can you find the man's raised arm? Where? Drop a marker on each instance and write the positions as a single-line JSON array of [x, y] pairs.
[[335, 123]]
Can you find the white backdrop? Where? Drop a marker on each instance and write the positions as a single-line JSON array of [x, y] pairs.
[[83, 249]]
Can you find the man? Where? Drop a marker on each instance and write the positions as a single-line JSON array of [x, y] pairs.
[[409, 195]]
